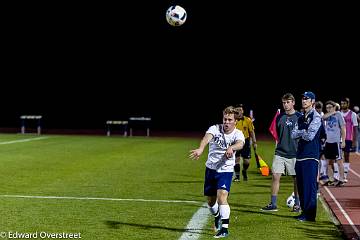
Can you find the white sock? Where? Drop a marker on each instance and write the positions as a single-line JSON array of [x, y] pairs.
[[323, 168], [225, 215], [346, 169], [336, 171], [214, 209]]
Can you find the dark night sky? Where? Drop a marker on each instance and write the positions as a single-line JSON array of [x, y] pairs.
[[79, 65]]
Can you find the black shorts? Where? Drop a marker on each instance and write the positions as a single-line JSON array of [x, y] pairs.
[[245, 152], [332, 151], [348, 146]]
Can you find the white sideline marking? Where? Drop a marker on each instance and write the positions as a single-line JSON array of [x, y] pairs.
[[101, 199], [343, 212], [196, 224], [23, 140], [355, 173]]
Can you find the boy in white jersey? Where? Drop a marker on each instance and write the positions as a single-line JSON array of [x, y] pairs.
[[224, 140], [335, 132]]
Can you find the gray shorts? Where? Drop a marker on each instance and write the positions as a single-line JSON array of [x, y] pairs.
[[280, 164]]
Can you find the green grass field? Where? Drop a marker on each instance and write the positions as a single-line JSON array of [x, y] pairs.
[[116, 170]]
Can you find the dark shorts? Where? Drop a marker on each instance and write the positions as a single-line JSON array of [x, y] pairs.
[[245, 152], [348, 146], [216, 180], [332, 151]]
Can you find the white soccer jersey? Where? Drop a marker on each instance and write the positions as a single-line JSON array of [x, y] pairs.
[[217, 159]]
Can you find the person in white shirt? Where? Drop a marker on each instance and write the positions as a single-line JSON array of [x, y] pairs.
[[224, 140]]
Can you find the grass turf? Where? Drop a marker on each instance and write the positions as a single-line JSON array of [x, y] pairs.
[[133, 168]]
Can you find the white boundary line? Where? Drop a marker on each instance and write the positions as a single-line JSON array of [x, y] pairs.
[[100, 199], [355, 173], [23, 140], [328, 210], [196, 224], [357, 231]]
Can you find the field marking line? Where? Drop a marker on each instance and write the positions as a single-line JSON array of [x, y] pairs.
[[100, 199], [357, 231], [355, 173], [196, 224], [23, 140]]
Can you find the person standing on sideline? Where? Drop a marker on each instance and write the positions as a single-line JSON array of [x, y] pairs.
[[285, 152], [351, 138], [335, 132], [245, 124], [306, 130], [224, 140], [357, 111], [319, 107]]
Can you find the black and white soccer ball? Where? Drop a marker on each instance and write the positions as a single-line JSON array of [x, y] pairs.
[[176, 15], [290, 201]]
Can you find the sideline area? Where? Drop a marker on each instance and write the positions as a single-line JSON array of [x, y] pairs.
[[344, 202]]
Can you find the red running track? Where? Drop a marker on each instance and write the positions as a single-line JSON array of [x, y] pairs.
[[344, 202]]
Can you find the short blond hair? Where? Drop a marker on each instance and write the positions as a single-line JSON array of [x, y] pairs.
[[231, 110]]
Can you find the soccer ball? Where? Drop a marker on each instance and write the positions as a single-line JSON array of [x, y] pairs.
[[290, 201], [176, 15]]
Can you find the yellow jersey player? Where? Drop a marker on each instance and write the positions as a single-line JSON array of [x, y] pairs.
[[245, 124]]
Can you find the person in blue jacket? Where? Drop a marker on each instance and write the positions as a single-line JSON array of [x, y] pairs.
[[307, 157]]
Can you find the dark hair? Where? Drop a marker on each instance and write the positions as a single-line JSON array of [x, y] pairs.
[[240, 105], [332, 103], [319, 104], [345, 99]]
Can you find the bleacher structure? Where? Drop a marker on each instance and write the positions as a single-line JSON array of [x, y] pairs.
[[134, 123], [110, 125], [33, 118]]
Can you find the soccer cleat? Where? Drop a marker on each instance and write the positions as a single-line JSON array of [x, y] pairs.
[[324, 177], [223, 233], [296, 209], [244, 175], [301, 218], [339, 184], [345, 180], [328, 183], [217, 225], [237, 179], [270, 208]]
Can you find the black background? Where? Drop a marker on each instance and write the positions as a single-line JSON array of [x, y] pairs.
[[79, 65]]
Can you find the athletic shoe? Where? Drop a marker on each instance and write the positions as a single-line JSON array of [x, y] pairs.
[[244, 175], [324, 177], [302, 218], [339, 184], [270, 208], [223, 233], [236, 179], [345, 180], [328, 183]]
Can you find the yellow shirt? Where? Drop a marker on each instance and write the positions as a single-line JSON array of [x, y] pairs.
[[246, 125]]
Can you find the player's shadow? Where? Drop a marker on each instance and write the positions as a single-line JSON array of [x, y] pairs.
[[118, 225]]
